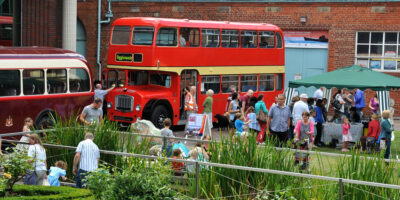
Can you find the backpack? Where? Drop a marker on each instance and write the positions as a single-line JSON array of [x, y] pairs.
[[336, 104]]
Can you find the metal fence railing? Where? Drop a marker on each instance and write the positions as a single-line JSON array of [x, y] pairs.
[[197, 164]]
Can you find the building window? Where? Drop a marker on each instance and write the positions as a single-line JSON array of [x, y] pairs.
[[121, 35], [248, 82], [378, 50], [167, 37], [210, 82], [230, 38], [210, 37], [229, 81]]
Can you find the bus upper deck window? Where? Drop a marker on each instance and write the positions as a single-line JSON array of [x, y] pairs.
[[189, 37], [56, 81], [167, 37], [10, 83], [279, 40], [249, 39], [143, 35], [230, 38], [79, 80], [267, 39], [210, 37], [121, 35], [33, 82]]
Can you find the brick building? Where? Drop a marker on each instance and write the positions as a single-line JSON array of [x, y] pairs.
[[360, 32]]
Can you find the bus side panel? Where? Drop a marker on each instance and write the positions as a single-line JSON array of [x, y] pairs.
[[15, 109]]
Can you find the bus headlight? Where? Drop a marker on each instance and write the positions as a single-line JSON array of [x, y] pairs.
[[109, 105], [137, 108]]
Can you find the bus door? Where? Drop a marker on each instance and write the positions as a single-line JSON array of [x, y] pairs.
[[188, 79]]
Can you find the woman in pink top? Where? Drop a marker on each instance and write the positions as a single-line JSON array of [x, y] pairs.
[[346, 134], [304, 131]]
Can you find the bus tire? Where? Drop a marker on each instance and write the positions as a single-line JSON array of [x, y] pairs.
[[158, 115], [45, 122]]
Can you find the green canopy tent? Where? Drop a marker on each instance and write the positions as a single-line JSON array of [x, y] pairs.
[[350, 77]]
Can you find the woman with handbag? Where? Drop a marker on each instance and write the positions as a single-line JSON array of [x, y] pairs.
[[262, 114], [386, 132], [38, 154]]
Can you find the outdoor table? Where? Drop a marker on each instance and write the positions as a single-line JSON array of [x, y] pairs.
[[334, 131]]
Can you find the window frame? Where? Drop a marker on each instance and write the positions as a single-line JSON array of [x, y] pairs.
[[133, 32], [273, 84], [20, 83], [69, 80], [176, 37], [130, 35], [210, 77], [378, 62], [230, 38], [230, 81], [201, 37], [241, 39], [162, 74], [241, 80]]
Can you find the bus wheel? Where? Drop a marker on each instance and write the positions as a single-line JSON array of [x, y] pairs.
[[45, 122], [158, 115]]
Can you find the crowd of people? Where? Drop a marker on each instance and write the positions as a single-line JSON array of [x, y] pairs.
[[300, 122]]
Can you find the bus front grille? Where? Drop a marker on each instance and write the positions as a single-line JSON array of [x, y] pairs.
[[124, 103]]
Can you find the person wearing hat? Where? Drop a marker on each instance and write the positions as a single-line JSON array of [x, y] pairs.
[[300, 107]]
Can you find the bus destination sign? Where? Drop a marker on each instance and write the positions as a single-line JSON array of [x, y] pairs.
[[123, 57]]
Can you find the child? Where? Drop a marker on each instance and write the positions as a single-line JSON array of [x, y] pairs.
[[240, 125], [177, 166], [193, 156], [28, 123], [167, 148], [313, 113], [304, 131], [346, 134], [56, 172], [254, 127]]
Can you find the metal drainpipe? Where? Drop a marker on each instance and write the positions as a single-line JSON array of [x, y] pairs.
[[108, 15]]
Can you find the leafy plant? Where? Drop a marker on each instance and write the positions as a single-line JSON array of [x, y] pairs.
[[35, 192], [15, 167], [134, 182]]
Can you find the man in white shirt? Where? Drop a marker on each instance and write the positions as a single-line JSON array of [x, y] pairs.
[[299, 107], [319, 94], [88, 156]]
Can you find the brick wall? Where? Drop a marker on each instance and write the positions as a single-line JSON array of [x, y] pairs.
[[341, 20]]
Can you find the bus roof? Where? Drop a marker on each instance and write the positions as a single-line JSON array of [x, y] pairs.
[[37, 52], [195, 23]]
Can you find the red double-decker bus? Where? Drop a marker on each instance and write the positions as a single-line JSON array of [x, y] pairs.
[[38, 82], [154, 59]]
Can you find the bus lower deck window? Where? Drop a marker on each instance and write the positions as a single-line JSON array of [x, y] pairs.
[[10, 83]]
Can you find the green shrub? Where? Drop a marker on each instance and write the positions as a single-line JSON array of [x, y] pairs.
[[135, 182], [47, 193], [15, 166]]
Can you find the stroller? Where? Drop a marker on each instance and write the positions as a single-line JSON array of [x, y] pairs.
[[302, 156]]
